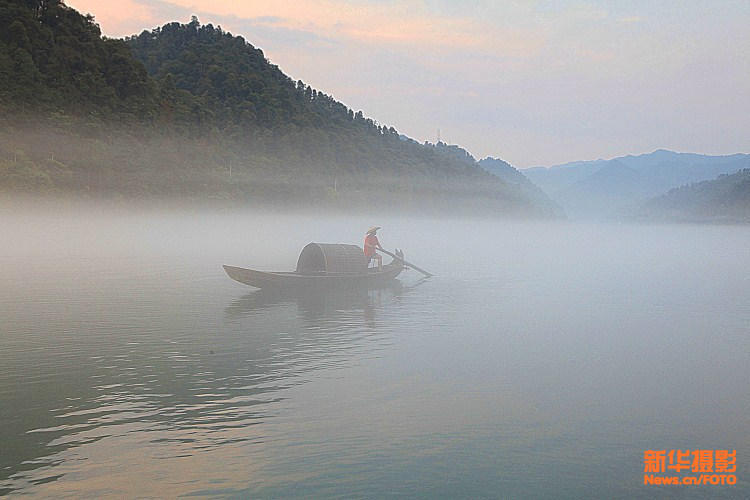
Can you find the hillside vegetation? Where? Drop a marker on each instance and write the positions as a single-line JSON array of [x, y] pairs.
[[724, 199], [189, 110]]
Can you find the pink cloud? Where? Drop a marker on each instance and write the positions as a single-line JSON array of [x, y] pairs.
[[120, 18], [403, 23]]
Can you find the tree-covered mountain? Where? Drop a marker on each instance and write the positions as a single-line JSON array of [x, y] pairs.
[[234, 82], [54, 60], [513, 176], [724, 199], [191, 110], [607, 188]]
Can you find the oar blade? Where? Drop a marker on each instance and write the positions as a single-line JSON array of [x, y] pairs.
[[407, 264]]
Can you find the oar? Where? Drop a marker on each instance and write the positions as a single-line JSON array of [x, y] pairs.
[[407, 264]]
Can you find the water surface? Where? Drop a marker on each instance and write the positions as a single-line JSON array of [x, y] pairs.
[[542, 360]]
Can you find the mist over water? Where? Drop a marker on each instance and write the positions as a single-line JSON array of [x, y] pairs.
[[541, 360]]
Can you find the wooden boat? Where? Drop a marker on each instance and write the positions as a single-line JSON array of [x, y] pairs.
[[323, 265]]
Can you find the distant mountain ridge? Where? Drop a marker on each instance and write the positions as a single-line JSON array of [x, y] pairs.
[[609, 188], [513, 176]]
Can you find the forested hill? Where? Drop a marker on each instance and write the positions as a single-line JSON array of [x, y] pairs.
[[54, 60], [191, 111], [234, 82], [724, 199]]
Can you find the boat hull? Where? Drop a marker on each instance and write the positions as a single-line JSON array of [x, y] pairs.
[[289, 280]]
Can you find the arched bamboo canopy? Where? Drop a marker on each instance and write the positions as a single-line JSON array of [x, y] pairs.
[[317, 258]]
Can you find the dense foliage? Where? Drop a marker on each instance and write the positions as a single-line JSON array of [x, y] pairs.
[[192, 110], [54, 59], [233, 80]]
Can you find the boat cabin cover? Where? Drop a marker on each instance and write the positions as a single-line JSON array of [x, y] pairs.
[[323, 258]]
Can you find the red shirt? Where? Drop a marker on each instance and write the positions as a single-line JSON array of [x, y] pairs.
[[371, 241]]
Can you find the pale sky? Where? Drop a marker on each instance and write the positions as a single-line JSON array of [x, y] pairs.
[[532, 82]]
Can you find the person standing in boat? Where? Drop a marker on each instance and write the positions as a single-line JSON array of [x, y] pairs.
[[371, 243]]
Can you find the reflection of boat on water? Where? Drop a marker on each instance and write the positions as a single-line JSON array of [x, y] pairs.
[[322, 310], [315, 302], [323, 265], [312, 304]]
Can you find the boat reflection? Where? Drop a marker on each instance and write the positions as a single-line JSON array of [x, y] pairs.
[[331, 309]]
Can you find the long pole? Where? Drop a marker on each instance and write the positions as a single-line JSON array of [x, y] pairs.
[[407, 264]]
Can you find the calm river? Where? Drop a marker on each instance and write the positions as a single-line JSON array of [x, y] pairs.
[[542, 360]]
